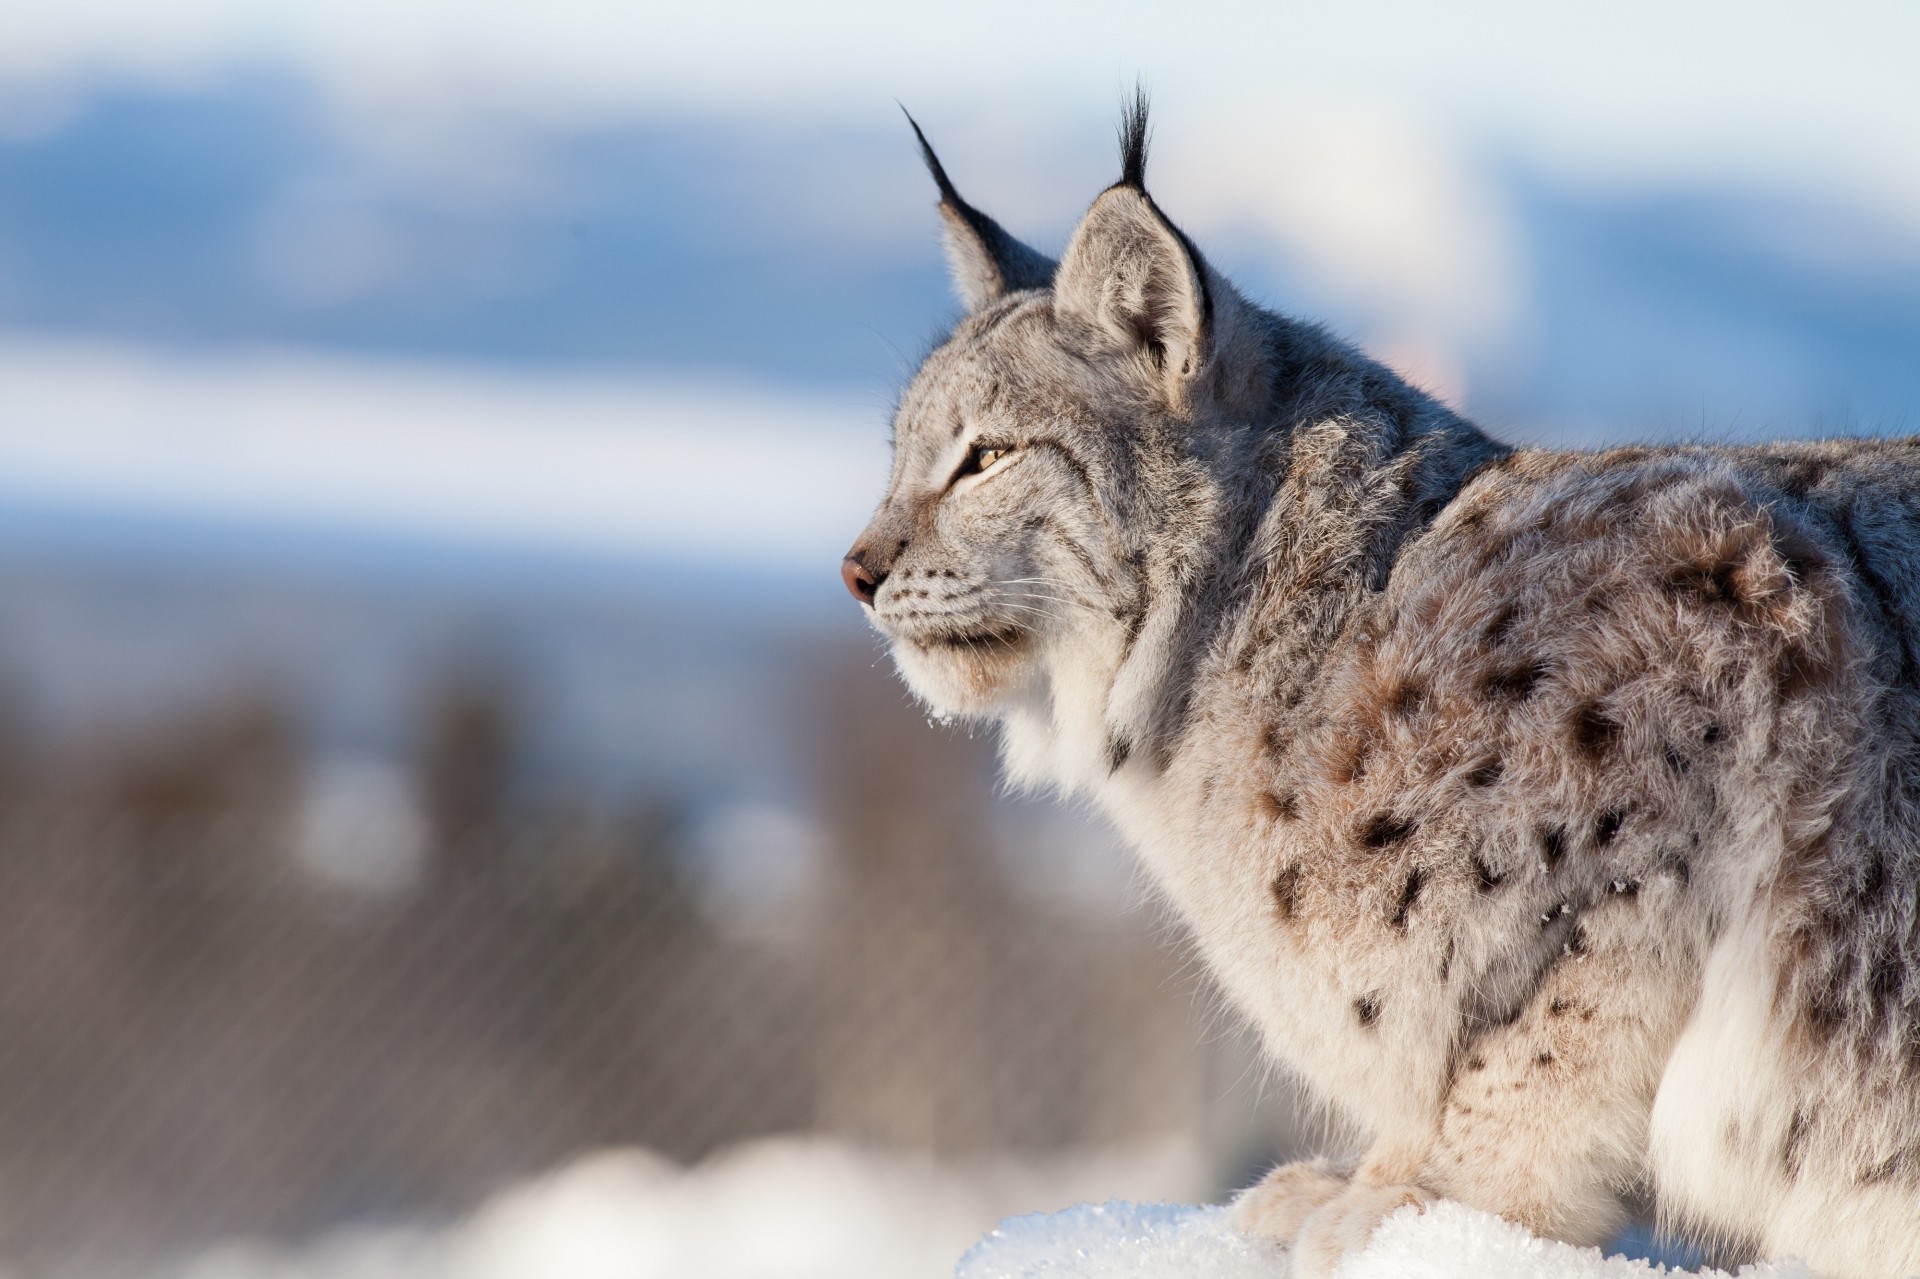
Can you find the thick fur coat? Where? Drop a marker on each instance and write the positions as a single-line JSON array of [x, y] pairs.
[[1555, 816]]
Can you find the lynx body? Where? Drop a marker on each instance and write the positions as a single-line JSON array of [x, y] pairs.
[[1555, 816]]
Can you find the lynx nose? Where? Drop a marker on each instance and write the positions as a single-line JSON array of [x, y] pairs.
[[861, 582]]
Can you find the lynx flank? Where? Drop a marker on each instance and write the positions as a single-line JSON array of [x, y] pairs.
[[1555, 816]]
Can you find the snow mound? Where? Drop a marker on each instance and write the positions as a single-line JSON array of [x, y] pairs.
[[1163, 1241], [1118, 1240]]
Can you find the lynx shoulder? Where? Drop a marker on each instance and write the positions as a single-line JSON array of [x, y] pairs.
[[1555, 816]]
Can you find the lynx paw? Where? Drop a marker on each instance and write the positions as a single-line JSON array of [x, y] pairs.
[[1344, 1224], [1280, 1203]]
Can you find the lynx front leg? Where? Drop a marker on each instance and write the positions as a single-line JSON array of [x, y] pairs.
[[1546, 1120], [1282, 1200], [1384, 1183]]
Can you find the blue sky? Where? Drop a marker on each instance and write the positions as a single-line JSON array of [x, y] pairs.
[[302, 244]]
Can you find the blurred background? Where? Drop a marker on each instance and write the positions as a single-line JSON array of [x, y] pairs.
[[452, 821]]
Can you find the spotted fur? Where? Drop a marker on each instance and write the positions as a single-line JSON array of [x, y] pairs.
[[1554, 815]]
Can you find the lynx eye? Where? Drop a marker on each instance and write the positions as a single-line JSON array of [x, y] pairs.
[[979, 458]]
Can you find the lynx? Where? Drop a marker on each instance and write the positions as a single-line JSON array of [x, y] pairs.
[[1555, 816]]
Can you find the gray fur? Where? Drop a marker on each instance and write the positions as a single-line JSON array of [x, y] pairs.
[[1556, 816]]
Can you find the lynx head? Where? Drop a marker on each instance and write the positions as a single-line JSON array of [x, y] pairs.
[[1050, 457]]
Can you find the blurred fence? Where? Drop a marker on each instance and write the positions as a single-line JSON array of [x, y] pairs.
[[202, 1037]]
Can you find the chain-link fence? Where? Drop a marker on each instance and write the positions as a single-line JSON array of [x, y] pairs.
[[219, 1017]]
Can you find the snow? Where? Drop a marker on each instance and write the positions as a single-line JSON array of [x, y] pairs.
[[1164, 1241], [1122, 1241], [814, 1208], [777, 1208]]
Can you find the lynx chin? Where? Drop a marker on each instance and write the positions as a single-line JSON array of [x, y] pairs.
[[1555, 816]]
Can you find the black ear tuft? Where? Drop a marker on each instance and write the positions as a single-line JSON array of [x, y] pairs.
[[987, 262], [940, 179], [1133, 141], [989, 232]]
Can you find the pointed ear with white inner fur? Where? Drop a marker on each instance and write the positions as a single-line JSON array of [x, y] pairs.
[[1132, 276]]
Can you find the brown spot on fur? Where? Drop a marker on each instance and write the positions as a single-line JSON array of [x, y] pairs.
[[1285, 890], [1559, 1005], [1798, 475], [1347, 763], [1486, 772], [1800, 671], [1717, 581], [1366, 1010], [1409, 894], [1543, 1059], [1476, 1062], [1279, 808], [1626, 455], [1513, 683], [1793, 1147], [1594, 732], [1405, 698], [1899, 1163], [1384, 830]]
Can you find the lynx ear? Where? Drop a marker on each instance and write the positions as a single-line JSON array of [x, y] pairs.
[[1133, 275], [986, 262]]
